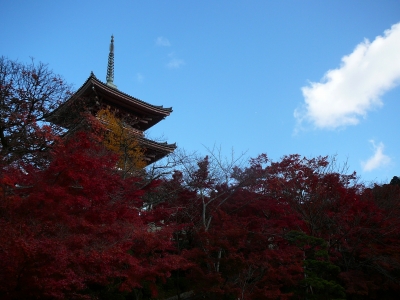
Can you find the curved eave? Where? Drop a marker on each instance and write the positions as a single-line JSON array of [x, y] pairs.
[[155, 151], [149, 144], [124, 99], [115, 97]]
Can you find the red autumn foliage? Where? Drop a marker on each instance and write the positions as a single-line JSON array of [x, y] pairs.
[[76, 223], [291, 229], [236, 232]]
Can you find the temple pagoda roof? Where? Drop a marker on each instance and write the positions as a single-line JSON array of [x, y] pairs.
[[150, 114], [156, 150]]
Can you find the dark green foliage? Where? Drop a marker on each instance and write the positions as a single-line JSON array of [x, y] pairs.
[[320, 274], [395, 181]]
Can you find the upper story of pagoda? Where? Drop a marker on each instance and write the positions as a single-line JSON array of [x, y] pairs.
[[95, 95]]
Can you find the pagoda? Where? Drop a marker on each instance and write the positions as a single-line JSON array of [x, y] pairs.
[[137, 115]]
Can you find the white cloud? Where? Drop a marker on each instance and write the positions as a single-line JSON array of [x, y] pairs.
[[175, 63], [162, 41], [377, 160], [139, 77], [349, 92]]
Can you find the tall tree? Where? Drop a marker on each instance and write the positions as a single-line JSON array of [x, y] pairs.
[[28, 93], [234, 236], [75, 225]]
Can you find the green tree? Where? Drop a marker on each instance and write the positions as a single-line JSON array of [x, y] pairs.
[[320, 274]]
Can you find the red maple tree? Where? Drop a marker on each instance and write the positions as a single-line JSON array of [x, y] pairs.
[[77, 224]]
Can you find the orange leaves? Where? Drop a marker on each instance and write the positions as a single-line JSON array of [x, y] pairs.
[[122, 140]]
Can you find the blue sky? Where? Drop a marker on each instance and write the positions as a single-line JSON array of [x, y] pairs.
[[276, 77]]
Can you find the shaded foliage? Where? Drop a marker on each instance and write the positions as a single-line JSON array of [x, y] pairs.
[[74, 225], [28, 93], [294, 228]]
